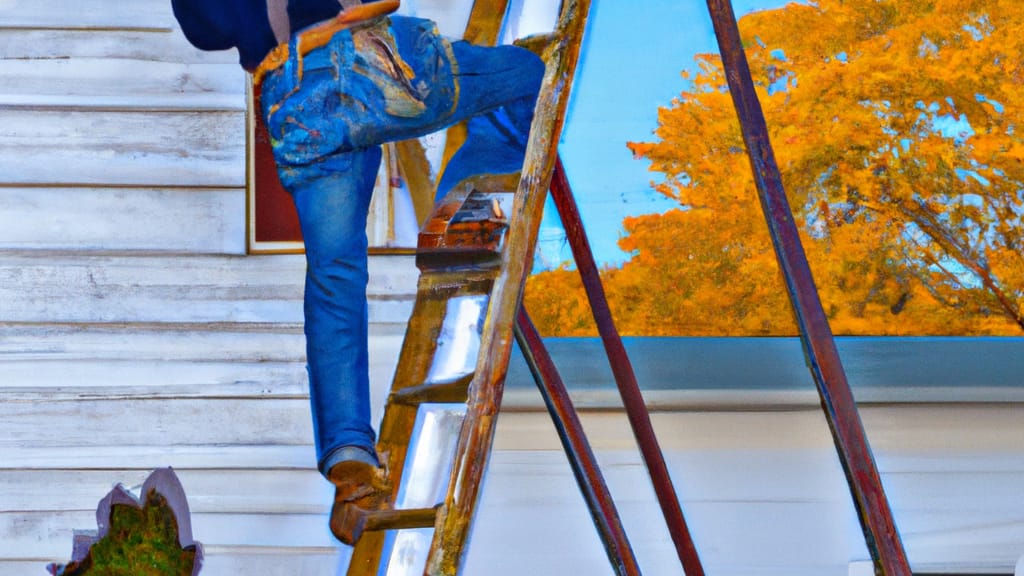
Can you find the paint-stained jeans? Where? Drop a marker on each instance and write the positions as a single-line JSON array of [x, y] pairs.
[[326, 125]]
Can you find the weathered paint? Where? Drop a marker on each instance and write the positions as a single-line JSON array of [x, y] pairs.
[[577, 448], [882, 537], [625, 377]]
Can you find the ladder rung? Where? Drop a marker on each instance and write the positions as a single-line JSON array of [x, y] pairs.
[[451, 393], [398, 519], [456, 258], [355, 520]]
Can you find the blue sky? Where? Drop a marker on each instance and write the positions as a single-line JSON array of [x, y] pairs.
[[631, 65]]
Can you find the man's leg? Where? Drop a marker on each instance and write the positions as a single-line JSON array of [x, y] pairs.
[[490, 149], [496, 139], [497, 76], [327, 154], [331, 184], [453, 80], [332, 197]]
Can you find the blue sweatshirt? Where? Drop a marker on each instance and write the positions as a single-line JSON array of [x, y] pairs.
[[243, 24]]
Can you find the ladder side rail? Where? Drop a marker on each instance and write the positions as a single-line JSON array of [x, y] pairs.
[[625, 377], [880, 533], [399, 419], [485, 20], [455, 516], [577, 448]]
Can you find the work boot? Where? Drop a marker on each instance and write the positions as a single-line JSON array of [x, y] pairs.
[[357, 484]]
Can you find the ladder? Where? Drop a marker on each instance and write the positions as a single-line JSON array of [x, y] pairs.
[[473, 254], [452, 367]]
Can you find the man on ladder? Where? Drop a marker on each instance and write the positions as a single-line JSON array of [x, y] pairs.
[[339, 78]]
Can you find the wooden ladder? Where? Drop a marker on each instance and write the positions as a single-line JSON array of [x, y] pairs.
[[474, 254]]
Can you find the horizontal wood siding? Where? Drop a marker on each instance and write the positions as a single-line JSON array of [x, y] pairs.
[[116, 134], [127, 312], [763, 492], [182, 288], [100, 15], [238, 561], [124, 148], [116, 68], [196, 220]]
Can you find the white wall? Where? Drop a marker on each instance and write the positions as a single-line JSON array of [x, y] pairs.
[[115, 134], [134, 333]]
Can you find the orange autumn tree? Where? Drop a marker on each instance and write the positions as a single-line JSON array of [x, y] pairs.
[[897, 127]]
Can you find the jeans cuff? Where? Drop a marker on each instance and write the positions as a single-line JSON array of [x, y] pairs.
[[346, 453]]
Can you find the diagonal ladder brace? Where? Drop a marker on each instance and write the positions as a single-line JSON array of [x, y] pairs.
[[879, 527]]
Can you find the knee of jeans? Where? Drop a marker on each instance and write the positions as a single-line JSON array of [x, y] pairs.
[[332, 298], [520, 111], [533, 68], [300, 178], [341, 272], [528, 68]]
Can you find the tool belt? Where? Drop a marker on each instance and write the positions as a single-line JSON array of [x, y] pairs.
[[319, 35]]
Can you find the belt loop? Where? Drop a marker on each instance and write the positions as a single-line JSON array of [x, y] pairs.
[[293, 63]]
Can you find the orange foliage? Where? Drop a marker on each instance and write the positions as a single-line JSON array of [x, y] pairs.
[[897, 127]]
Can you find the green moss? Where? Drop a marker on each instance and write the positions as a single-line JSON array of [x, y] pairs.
[[141, 542]]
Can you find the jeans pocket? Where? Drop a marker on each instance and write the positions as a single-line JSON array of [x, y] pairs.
[[401, 81], [311, 123], [368, 86], [309, 120], [378, 59]]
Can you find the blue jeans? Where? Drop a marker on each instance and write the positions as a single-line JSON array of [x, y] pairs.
[[326, 126]]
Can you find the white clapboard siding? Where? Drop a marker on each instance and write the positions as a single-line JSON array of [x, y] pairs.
[[980, 429], [94, 14], [122, 175], [133, 457], [267, 491], [689, 431], [277, 562], [54, 381], [129, 148], [205, 220], [163, 45], [44, 343], [122, 83], [114, 288], [261, 530], [154, 422], [54, 362], [116, 69], [302, 561], [953, 438], [90, 427], [762, 492]]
